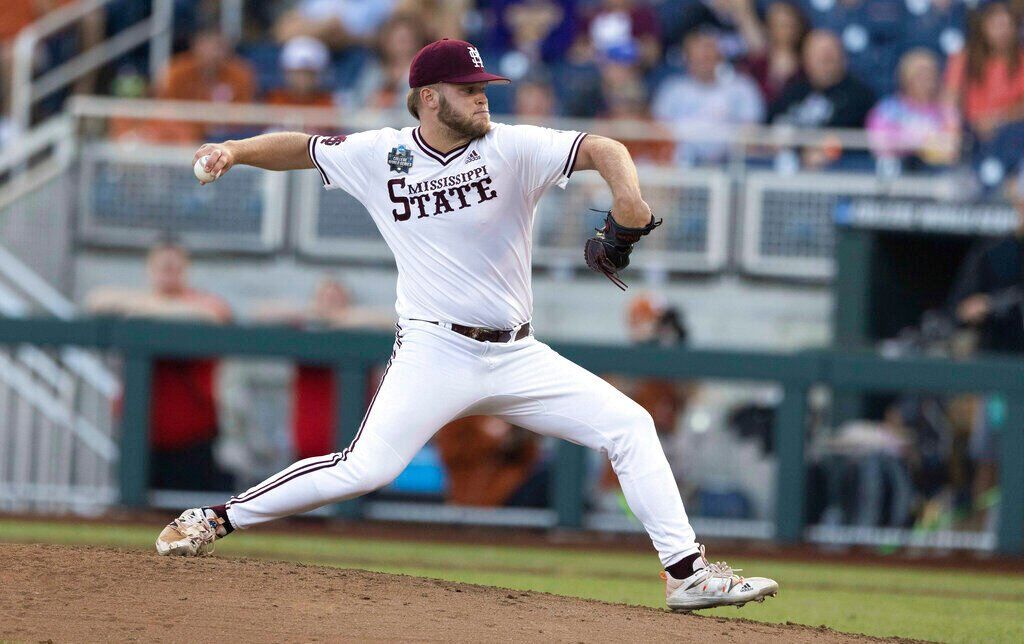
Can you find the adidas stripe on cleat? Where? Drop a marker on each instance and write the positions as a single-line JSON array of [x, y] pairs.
[[713, 585]]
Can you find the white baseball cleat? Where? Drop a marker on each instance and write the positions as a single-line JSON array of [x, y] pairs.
[[190, 535], [716, 584]]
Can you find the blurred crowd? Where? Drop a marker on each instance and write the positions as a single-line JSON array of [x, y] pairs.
[[933, 82]]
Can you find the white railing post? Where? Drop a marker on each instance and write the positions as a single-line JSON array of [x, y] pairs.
[[21, 87], [161, 37], [231, 20]]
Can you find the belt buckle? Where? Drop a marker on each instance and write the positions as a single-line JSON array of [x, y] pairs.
[[513, 332]]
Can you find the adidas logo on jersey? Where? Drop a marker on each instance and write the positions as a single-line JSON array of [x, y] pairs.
[[473, 156]]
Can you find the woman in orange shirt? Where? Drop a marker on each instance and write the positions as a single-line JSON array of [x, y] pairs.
[[986, 80]]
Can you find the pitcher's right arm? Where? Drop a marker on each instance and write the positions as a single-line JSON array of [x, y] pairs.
[[274, 151]]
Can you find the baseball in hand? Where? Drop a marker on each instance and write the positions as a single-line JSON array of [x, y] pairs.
[[200, 171]]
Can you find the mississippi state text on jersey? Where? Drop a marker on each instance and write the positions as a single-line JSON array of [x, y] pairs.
[[459, 222]]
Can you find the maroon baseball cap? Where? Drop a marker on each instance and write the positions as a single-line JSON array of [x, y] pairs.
[[449, 61]]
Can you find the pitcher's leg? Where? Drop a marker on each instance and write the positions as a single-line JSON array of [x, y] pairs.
[[423, 388], [547, 394]]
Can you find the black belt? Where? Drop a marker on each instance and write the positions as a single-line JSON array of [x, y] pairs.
[[485, 335]]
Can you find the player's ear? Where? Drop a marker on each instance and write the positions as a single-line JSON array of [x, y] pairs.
[[430, 95]]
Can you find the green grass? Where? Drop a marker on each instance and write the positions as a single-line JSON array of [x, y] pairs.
[[954, 606]]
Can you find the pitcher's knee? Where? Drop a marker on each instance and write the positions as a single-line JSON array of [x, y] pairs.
[[635, 433], [377, 477], [362, 472]]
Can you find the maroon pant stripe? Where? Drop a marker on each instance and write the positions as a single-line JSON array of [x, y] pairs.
[[332, 459]]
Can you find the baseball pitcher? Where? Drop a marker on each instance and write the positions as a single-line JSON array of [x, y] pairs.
[[454, 199]]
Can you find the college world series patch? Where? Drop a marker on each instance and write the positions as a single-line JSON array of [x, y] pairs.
[[400, 159]]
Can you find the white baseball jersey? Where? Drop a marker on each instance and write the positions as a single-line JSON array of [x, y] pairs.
[[459, 223]]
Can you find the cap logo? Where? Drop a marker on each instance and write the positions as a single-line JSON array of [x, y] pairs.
[[474, 55]]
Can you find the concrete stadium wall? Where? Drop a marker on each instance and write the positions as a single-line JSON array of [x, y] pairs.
[[721, 311]]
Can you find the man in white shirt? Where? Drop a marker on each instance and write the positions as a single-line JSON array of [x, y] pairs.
[[454, 199], [711, 97]]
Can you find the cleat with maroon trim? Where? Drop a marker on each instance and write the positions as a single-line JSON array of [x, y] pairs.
[[713, 585], [191, 535]]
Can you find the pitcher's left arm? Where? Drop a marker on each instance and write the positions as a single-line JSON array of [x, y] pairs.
[[629, 219]]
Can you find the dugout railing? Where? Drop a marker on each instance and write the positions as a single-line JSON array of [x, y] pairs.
[[139, 342]]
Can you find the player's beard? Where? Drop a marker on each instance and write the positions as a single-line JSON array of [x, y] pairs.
[[464, 126]]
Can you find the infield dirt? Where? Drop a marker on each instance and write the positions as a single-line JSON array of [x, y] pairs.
[[81, 594]]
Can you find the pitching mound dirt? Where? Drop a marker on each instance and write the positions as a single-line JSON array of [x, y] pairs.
[[86, 594]]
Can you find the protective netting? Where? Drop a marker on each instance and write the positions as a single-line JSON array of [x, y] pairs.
[[131, 198], [797, 223]]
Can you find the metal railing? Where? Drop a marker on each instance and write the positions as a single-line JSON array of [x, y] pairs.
[[783, 229], [56, 407], [57, 431], [762, 222], [789, 220], [26, 90], [744, 140]]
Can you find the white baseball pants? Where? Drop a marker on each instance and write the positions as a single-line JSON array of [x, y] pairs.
[[435, 376]]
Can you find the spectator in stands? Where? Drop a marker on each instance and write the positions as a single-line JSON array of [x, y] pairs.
[[384, 82], [209, 71], [183, 407], [827, 97], [538, 37], [733, 22], [303, 60], [915, 125], [653, 322], [871, 31], [778, 63], [986, 80], [626, 99], [338, 23], [988, 297], [988, 294], [314, 387], [534, 100], [624, 27], [440, 18], [711, 97], [492, 463], [531, 33]]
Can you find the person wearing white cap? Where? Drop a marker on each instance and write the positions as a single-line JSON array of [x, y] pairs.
[[303, 60]]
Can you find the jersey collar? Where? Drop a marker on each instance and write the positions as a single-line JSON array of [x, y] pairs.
[[441, 157]]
